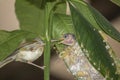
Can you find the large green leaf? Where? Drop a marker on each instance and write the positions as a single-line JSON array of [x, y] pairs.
[[40, 3], [92, 42], [30, 16], [96, 19], [117, 2], [9, 41], [62, 24], [60, 7], [4, 35]]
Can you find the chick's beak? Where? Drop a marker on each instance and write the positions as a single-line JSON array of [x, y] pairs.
[[61, 40]]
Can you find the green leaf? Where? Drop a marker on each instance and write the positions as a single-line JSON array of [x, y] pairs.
[[4, 35], [96, 19], [115, 57], [9, 41], [117, 2], [62, 24], [60, 7], [40, 3], [30, 16], [90, 39]]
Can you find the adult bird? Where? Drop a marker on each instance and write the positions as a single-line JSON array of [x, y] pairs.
[[27, 53]]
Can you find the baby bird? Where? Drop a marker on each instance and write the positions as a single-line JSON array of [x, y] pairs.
[[27, 54], [76, 61]]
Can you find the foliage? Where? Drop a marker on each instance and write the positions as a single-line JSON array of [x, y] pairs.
[[88, 36], [47, 19], [11, 40], [117, 2]]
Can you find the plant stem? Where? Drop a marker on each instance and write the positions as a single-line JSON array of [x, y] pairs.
[[48, 28], [47, 61]]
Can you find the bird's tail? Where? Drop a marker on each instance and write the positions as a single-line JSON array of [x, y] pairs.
[[7, 60]]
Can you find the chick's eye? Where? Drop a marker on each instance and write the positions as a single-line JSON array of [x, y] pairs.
[[65, 36]]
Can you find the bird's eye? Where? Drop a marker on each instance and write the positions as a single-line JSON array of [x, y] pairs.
[[66, 35]]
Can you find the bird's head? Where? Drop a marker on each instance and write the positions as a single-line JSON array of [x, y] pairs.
[[68, 39]]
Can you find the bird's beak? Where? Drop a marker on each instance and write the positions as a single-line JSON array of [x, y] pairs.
[[61, 40]]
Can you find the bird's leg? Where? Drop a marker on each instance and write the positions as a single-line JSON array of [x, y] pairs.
[[41, 67]]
